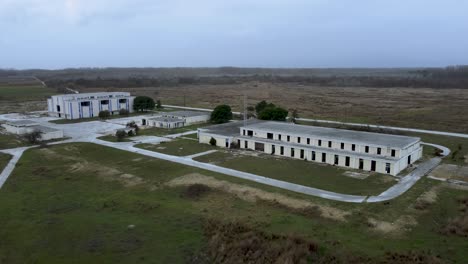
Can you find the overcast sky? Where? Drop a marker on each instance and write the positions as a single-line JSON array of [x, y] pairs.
[[245, 33]]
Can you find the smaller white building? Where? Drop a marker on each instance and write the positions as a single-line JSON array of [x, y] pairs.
[[87, 105], [21, 127], [177, 119]]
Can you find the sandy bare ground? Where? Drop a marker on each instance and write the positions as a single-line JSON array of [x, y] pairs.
[[436, 109], [253, 194], [452, 172]]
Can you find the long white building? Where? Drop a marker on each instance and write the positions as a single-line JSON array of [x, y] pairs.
[[383, 153], [86, 105]]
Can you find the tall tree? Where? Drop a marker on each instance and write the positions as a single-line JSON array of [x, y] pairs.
[[143, 103], [221, 114]]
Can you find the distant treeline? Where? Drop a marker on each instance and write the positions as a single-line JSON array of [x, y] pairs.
[[449, 77]]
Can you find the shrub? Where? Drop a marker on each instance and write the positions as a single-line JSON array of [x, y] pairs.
[[104, 114], [130, 133], [124, 112], [120, 134], [195, 191], [213, 141], [158, 104], [33, 137], [143, 103]]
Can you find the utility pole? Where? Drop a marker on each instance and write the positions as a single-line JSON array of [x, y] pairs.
[[245, 109]]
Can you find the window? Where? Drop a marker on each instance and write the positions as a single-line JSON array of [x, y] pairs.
[[292, 152], [246, 145], [85, 103], [313, 155], [320, 142], [279, 137], [347, 162], [329, 144], [336, 160], [361, 164], [379, 151], [342, 145], [409, 159], [393, 153], [373, 165], [281, 150], [302, 153], [308, 141], [259, 146], [353, 147], [104, 102], [272, 149], [288, 138], [243, 132], [298, 139], [387, 167], [324, 157], [249, 133], [270, 135], [367, 149], [122, 101]]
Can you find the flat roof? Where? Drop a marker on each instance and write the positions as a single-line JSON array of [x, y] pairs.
[[335, 134], [21, 123], [167, 119], [230, 129], [45, 129], [186, 113]]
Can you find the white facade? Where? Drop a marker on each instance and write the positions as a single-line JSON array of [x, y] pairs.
[[389, 154], [177, 119], [22, 127], [87, 105]]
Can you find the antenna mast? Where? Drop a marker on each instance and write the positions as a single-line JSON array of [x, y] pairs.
[[245, 109]]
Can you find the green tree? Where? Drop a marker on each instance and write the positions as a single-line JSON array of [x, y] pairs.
[[213, 141], [273, 113], [33, 137], [294, 116], [104, 114], [143, 103], [158, 104], [260, 106], [221, 114]]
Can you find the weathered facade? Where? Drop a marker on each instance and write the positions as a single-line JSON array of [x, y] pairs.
[[87, 105], [21, 127], [377, 152]]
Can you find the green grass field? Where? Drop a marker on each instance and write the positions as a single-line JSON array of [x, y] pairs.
[[8, 141], [306, 173], [178, 147], [4, 159], [156, 131], [25, 93], [71, 202]]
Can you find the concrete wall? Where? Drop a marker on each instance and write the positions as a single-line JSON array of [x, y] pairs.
[[221, 141]]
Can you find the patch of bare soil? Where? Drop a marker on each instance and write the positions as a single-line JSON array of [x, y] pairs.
[[426, 199], [356, 175], [102, 171], [395, 228], [234, 242], [253, 194], [452, 172], [458, 226]]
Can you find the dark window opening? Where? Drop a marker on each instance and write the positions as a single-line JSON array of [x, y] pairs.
[[393, 153], [302, 153], [336, 160], [288, 138], [348, 159], [324, 157], [313, 155], [272, 149], [361, 164], [85, 103], [246, 145], [243, 132], [342, 145], [298, 139], [308, 141], [259, 146], [379, 151], [353, 147], [104, 102], [249, 133], [143, 122], [320, 142], [387, 167], [373, 165], [58, 108], [329, 144], [279, 137], [409, 159], [281, 150], [122, 101], [270, 135], [292, 152], [367, 149]]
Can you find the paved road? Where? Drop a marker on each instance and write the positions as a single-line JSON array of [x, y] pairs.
[[434, 132]]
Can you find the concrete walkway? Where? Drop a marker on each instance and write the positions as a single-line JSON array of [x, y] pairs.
[[201, 154]]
